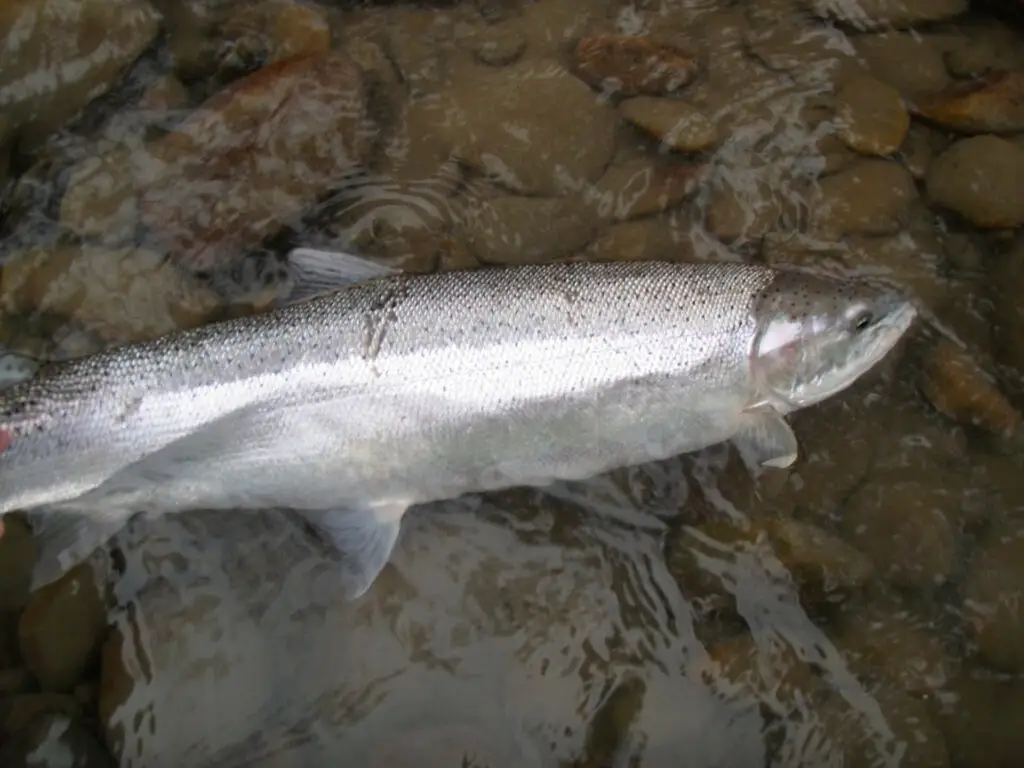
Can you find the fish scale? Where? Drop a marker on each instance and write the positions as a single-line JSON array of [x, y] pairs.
[[402, 389]]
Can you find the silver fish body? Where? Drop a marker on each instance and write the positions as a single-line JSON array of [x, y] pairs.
[[407, 389]]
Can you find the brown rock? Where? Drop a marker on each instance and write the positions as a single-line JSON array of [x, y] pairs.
[[17, 558], [676, 124], [880, 14], [56, 734], [100, 201], [283, 29], [919, 149], [822, 563], [982, 179], [957, 387], [871, 117], [911, 63], [982, 728], [548, 152], [640, 188], [1005, 285], [61, 54], [653, 238], [901, 526], [993, 104], [633, 65], [910, 731], [19, 712], [120, 295], [253, 155], [166, 93], [496, 46], [526, 230], [886, 641], [870, 197], [992, 592], [743, 211], [62, 629]]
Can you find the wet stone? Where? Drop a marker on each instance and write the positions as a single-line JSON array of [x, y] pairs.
[[550, 152], [52, 740], [871, 117], [981, 724], [675, 124], [882, 14], [916, 736], [883, 640], [100, 200], [911, 63], [15, 680], [919, 149], [525, 230], [870, 197], [497, 46], [633, 65], [20, 711], [62, 629], [1006, 271], [641, 188], [957, 387], [652, 238], [743, 211], [225, 187], [993, 104], [903, 528], [17, 558], [79, 284], [992, 599], [982, 180], [61, 54], [824, 565]]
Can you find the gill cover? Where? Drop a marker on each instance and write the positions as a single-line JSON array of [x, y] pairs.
[[818, 335]]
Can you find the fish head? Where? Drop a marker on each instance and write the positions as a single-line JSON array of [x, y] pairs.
[[817, 335]]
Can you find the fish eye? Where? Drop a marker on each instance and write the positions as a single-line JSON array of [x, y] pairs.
[[862, 320]]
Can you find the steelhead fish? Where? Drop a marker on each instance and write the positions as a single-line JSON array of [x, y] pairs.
[[373, 391]]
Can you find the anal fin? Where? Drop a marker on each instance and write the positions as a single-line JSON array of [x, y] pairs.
[[766, 439], [364, 539]]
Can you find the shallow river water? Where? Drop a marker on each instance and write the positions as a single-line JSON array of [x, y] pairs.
[[863, 608]]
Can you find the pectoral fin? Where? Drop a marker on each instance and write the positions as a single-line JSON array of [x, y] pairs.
[[317, 272], [364, 539], [767, 439]]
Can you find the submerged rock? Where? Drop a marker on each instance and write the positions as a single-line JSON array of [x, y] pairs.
[[633, 65], [58, 55], [502, 124], [911, 63], [526, 230], [641, 188], [871, 117], [982, 179], [119, 294], [993, 104], [880, 14], [676, 124], [54, 740], [995, 615], [62, 629], [902, 526], [870, 197], [254, 155], [958, 387]]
